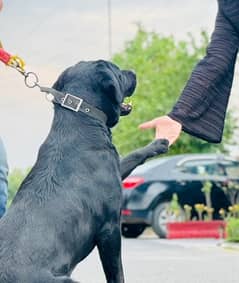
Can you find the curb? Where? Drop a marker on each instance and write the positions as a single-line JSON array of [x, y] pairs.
[[230, 246]]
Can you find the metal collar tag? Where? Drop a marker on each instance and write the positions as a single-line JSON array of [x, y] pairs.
[[72, 102]]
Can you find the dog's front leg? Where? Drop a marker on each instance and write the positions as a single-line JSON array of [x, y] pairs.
[[109, 247], [131, 161]]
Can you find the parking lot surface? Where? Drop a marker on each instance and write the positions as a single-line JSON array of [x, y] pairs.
[[152, 260]]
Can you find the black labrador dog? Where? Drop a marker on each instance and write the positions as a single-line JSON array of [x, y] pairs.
[[70, 201]]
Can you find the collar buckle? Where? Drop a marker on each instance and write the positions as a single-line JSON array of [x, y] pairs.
[[71, 102]]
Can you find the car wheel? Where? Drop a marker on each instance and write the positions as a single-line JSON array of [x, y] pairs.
[[132, 230], [161, 216]]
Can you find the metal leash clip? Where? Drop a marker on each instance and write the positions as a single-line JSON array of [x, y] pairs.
[[31, 79]]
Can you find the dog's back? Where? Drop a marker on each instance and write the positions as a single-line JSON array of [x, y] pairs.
[[63, 205]]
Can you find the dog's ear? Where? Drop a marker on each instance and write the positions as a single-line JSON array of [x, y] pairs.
[[110, 87]]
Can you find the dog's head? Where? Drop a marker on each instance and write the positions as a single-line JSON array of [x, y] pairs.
[[101, 84]]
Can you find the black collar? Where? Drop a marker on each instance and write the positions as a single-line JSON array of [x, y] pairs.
[[75, 103]]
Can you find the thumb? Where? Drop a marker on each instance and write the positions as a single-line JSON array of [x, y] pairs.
[[147, 125]]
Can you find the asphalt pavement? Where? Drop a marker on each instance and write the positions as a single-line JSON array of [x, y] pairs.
[[152, 260]]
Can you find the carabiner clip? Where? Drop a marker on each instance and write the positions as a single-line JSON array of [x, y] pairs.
[[30, 78], [17, 63]]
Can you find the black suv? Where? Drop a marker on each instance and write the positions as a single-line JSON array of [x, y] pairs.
[[148, 191]]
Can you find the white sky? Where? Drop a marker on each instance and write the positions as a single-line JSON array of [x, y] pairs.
[[51, 35]]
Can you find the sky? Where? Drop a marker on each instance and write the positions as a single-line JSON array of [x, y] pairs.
[[52, 35]]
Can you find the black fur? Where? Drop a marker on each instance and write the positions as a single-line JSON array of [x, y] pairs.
[[130, 162], [70, 201]]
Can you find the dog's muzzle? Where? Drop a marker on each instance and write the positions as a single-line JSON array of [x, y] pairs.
[[125, 109], [130, 82]]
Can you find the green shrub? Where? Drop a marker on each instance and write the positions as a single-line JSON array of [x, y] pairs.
[[233, 230], [15, 179]]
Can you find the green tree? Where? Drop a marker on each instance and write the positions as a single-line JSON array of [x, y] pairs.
[[163, 66]]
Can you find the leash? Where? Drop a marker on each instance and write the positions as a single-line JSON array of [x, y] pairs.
[[65, 100]]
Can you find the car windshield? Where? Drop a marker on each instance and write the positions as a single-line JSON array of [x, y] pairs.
[[149, 165]]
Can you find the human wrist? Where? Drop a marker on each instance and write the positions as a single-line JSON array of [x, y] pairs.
[[175, 120]]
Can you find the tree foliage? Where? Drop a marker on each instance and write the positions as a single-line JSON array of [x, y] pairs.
[[163, 67]]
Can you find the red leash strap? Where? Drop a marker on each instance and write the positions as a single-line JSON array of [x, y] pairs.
[[5, 57]]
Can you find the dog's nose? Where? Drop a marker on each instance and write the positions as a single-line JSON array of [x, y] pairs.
[[130, 74]]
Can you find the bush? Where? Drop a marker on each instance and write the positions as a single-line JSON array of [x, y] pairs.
[[15, 179], [233, 230]]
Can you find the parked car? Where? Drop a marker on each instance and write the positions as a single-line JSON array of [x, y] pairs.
[[147, 192]]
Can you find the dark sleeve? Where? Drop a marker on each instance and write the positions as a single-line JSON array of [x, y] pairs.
[[201, 108]]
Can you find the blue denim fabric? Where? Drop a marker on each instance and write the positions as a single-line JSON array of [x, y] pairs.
[[3, 179]]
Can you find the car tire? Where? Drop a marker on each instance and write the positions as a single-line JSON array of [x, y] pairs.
[[132, 230], [161, 216]]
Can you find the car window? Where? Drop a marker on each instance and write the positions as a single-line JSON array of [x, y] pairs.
[[149, 165], [231, 168], [202, 167]]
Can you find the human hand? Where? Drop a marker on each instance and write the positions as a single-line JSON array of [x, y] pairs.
[[165, 128]]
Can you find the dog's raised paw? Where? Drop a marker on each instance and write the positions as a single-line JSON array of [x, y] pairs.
[[159, 146]]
